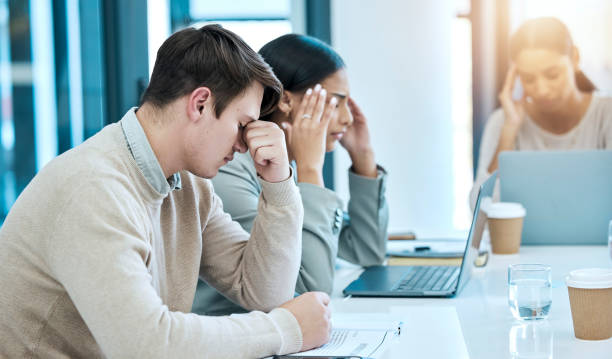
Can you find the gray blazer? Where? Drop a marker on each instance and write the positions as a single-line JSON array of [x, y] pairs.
[[359, 236]]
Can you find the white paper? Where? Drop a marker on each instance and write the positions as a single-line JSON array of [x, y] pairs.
[[435, 245], [353, 334]]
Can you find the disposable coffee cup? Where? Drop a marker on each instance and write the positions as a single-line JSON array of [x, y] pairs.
[[505, 226], [590, 295]]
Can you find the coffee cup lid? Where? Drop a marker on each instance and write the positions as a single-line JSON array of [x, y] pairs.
[[503, 209], [590, 278]]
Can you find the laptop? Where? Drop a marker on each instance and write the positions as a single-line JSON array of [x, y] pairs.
[[567, 194], [426, 281]]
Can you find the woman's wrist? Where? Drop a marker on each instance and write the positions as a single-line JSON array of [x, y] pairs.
[[309, 172], [310, 175], [508, 137], [364, 163]]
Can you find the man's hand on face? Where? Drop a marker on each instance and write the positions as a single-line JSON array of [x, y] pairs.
[[266, 143]]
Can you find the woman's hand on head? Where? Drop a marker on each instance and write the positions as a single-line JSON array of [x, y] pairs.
[[357, 142], [514, 111], [514, 116], [357, 137], [307, 135]]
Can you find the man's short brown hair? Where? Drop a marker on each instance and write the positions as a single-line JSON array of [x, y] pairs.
[[213, 57]]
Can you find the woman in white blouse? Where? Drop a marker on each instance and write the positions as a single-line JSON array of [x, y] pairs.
[[558, 110]]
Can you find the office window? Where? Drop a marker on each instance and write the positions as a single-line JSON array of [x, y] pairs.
[[29, 101], [256, 22], [461, 113], [51, 86], [158, 27], [256, 33], [242, 9]]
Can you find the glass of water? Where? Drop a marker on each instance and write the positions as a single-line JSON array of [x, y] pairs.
[[529, 291]]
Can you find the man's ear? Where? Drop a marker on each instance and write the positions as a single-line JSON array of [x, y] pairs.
[[199, 101], [286, 102]]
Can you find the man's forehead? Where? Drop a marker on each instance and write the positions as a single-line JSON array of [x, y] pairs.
[[256, 92], [248, 103], [252, 105]]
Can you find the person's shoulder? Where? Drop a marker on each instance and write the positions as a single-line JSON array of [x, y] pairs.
[[92, 160], [599, 113], [602, 103], [495, 122], [497, 117], [101, 168], [70, 181]]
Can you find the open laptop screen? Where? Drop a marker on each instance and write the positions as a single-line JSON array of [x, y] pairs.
[[567, 194], [476, 230]]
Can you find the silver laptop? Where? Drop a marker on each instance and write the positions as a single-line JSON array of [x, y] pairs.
[[567, 194], [426, 281]]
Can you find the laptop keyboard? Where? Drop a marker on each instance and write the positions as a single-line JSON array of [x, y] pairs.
[[428, 278]]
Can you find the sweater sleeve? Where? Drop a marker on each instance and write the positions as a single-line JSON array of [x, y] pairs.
[[98, 252], [237, 186], [363, 239], [239, 189], [488, 146], [257, 272], [322, 210]]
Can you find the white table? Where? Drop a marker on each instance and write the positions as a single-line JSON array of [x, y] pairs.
[[487, 327]]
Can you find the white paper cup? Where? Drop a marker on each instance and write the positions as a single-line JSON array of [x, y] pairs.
[[590, 294]]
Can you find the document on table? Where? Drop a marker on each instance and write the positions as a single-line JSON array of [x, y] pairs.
[[352, 334], [427, 248]]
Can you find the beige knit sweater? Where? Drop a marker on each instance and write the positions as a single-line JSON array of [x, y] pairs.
[[95, 263]]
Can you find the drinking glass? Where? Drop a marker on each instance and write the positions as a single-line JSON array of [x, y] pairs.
[[529, 290]]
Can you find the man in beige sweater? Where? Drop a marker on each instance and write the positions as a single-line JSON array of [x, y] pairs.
[[101, 252]]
